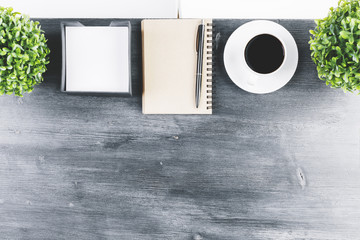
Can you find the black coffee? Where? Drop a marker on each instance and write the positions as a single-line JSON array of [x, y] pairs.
[[264, 53]]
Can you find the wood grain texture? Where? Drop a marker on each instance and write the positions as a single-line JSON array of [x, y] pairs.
[[283, 165]]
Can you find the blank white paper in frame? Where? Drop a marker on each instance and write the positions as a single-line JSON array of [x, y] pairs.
[[95, 8], [97, 59]]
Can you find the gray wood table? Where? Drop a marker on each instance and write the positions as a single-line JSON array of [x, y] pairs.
[[284, 165]]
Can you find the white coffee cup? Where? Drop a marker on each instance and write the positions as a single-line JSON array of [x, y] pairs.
[[247, 77]]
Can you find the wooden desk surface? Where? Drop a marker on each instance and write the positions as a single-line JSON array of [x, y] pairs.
[[278, 166]]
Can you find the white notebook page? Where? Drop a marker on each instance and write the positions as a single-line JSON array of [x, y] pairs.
[[95, 8], [265, 9]]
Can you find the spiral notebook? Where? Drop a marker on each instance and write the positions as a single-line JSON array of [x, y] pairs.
[[169, 67]]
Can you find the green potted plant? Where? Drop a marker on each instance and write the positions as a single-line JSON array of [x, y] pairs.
[[23, 53], [335, 46]]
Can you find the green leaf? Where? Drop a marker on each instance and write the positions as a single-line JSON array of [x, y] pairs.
[[351, 39], [352, 24], [9, 59], [345, 34]]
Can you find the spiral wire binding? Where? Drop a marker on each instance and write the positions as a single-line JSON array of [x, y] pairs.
[[209, 66]]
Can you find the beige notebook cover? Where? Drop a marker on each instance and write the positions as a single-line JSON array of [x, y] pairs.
[[169, 67]]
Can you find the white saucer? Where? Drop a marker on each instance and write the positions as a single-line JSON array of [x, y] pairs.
[[242, 75]]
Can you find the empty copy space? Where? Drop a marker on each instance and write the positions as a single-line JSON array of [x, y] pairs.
[[97, 59], [95, 8], [263, 9]]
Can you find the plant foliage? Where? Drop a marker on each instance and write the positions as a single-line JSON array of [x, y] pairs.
[[335, 46], [23, 53]]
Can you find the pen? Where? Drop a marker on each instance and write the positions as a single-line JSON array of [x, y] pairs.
[[199, 66]]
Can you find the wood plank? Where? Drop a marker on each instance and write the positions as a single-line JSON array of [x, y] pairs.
[[277, 166]]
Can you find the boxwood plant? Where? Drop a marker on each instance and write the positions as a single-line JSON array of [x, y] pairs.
[[23, 53], [335, 45]]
